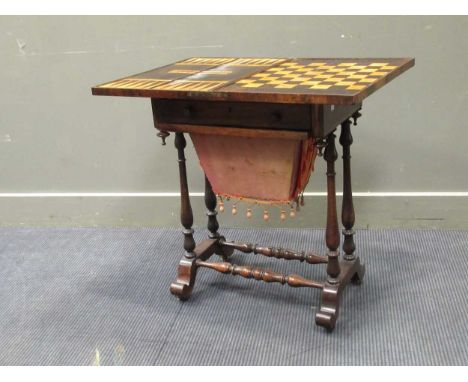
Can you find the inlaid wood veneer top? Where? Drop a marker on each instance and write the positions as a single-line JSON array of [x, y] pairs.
[[282, 80]]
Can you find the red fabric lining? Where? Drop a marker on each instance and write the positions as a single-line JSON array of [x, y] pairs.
[[270, 171], [309, 152]]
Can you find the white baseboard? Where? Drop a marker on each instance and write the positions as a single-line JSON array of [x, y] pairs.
[[177, 194]]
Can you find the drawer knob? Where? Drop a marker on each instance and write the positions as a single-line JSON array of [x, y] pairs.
[[278, 116], [189, 111]]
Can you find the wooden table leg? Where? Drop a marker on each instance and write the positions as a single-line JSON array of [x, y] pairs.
[[187, 268], [327, 314], [332, 234], [186, 214], [210, 203], [213, 225], [350, 269], [347, 210]]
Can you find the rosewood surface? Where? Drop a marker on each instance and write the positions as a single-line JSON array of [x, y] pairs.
[[275, 80]]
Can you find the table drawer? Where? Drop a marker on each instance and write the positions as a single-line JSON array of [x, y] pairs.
[[233, 114]]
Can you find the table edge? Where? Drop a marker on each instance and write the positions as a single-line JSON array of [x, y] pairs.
[[294, 98]]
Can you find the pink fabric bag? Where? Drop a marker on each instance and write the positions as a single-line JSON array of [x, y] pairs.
[[269, 170]]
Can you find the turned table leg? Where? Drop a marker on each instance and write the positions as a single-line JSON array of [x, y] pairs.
[[186, 215], [187, 267], [332, 233], [210, 203], [327, 314], [350, 269], [213, 225], [347, 209]]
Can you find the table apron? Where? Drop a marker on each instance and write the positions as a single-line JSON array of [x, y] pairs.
[[237, 118]]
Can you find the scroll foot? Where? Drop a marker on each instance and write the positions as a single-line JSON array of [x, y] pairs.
[[181, 291], [186, 273], [351, 272], [187, 270], [329, 305]]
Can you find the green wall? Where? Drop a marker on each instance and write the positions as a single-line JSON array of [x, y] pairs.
[[56, 137]]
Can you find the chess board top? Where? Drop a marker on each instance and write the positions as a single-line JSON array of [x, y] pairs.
[[282, 80]]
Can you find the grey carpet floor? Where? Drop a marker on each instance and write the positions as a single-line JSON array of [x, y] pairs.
[[85, 296]]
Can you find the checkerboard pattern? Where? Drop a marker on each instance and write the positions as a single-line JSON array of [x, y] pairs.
[[263, 79], [211, 61], [350, 76]]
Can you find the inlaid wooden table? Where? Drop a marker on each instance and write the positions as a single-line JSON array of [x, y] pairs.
[[257, 125]]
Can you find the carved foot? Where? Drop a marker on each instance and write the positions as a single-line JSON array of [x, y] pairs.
[[186, 273], [181, 291], [187, 270], [329, 305], [351, 272]]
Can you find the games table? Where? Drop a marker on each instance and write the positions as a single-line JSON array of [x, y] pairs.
[[257, 125]]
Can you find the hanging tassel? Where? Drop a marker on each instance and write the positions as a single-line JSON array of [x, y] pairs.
[[292, 212], [283, 215], [221, 205]]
